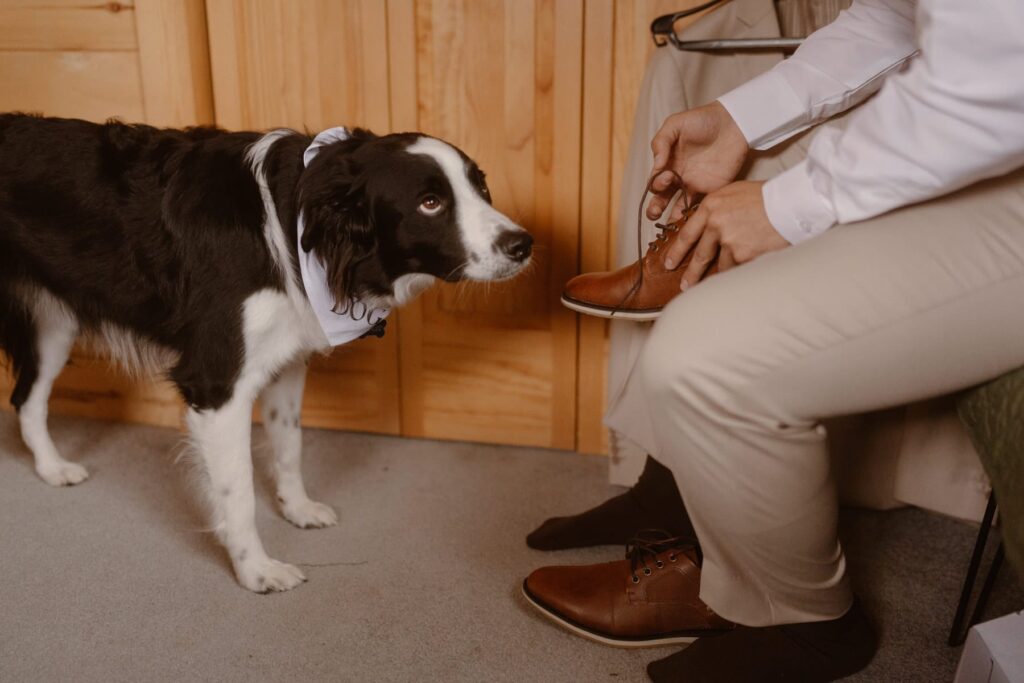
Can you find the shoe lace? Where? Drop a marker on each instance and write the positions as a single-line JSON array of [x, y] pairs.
[[647, 545], [660, 237]]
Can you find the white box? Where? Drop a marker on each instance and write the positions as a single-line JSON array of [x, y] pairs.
[[994, 652]]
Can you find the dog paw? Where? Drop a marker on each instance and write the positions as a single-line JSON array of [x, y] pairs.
[[62, 473], [309, 514], [268, 575]]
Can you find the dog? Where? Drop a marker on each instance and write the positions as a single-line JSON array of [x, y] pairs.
[[224, 261]]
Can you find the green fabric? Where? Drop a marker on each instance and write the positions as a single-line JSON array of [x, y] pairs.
[[994, 416]]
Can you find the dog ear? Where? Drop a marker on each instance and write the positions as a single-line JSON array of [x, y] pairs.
[[338, 226]]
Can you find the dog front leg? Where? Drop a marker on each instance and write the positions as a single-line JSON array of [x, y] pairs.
[[281, 407], [222, 437]]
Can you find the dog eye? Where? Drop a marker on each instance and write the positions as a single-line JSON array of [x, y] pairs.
[[431, 205]]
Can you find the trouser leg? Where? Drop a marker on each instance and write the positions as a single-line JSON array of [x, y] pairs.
[[739, 371]]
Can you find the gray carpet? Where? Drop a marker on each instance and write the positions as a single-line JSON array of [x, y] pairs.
[[114, 580]]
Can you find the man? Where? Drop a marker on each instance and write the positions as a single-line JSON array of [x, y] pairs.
[[885, 268]]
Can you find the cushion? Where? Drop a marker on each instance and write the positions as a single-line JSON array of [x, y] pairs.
[[994, 416]]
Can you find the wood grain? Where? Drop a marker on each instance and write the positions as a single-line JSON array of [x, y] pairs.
[[308, 65], [595, 217], [67, 25], [89, 85], [174, 60]]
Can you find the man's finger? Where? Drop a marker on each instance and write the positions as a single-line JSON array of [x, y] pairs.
[[703, 254], [666, 182], [689, 233], [725, 259], [661, 145], [663, 188]]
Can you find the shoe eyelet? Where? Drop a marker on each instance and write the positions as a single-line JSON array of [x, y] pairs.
[[647, 571], [671, 558], [654, 247], [636, 579], [659, 564]]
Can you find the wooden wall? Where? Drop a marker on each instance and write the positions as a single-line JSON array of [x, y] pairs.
[[540, 92]]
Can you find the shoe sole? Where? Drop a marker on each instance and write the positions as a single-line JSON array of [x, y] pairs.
[[601, 312], [584, 632]]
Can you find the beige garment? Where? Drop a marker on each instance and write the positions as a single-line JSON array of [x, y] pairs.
[[799, 18], [918, 455], [734, 380]]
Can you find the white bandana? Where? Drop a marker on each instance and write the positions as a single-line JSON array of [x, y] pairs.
[[353, 319]]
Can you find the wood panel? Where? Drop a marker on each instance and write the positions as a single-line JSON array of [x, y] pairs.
[[174, 62], [502, 80], [67, 25], [308, 65], [595, 216], [89, 85], [311, 65]]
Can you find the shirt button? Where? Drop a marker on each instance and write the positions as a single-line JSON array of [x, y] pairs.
[[806, 225]]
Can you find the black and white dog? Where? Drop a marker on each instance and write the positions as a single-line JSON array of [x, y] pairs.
[[224, 260]]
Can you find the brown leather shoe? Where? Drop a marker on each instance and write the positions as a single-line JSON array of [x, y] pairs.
[[635, 292], [646, 600]]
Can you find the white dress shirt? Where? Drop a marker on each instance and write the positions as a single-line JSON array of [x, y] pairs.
[[949, 110]]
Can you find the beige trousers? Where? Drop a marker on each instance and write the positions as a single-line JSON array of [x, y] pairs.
[[734, 380]]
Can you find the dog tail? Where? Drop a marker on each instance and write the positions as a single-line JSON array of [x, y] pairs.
[[17, 341]]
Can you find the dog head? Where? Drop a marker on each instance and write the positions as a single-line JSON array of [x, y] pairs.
[[389, 215]]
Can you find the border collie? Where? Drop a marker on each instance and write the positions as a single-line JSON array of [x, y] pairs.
[[224, 260]]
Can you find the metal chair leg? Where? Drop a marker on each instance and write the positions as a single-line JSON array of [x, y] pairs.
[[986, 588], [956, 637]]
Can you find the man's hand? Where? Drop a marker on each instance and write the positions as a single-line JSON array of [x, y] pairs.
[[730, 224], [704, 146]]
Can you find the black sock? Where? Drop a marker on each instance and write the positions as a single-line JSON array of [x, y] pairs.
[[653, 503], [810, 653]]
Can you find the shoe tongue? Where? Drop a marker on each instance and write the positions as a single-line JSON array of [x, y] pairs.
[[695, 555]]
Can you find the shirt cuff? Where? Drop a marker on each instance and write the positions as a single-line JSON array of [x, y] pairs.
[[795, 209], [766, 109]]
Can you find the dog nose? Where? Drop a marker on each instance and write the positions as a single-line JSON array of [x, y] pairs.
[[516, 244]]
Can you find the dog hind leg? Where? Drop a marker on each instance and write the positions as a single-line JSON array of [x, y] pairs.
[[55, 331], [281, 406]]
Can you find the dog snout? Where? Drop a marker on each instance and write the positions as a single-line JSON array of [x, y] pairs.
[[515, 244]]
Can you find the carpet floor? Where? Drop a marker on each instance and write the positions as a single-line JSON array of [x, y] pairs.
[[116, 580]]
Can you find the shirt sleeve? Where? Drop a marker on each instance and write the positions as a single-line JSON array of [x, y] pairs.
[[835, 68], [953, 117]]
